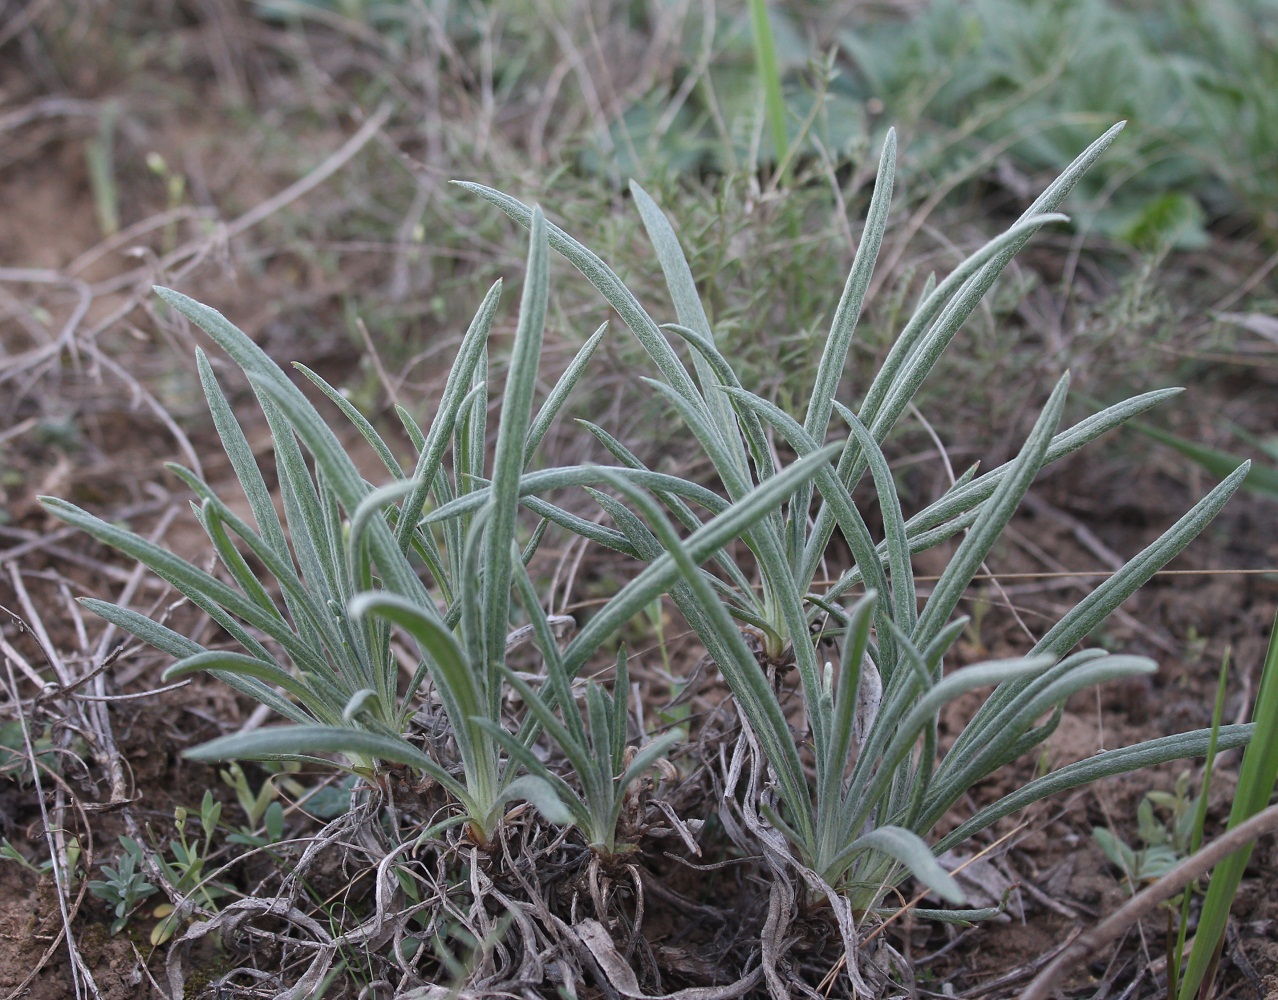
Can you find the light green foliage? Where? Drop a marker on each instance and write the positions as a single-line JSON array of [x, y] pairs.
[[345, 561], [765, 57], [1262, 479], [1025, 81], [599, 757], [1166, 837], [329, 668], [1257, 780], [185, 862], [878, 787], [15, 765], [70, 858], [262, 809], [123, 887], [437, 553], [184, 869]]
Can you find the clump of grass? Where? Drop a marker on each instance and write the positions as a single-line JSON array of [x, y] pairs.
[[852, 798], [346, 562], [878, 787], [327, 663]]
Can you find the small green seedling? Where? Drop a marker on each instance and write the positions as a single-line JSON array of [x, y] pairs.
[[124, 887], [1166, 837]]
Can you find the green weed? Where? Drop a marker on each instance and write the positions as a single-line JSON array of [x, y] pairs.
[[878, 787]]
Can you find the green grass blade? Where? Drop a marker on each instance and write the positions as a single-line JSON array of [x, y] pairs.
[[608, 285], [151, 632], [576, 751], [456, 390], [682, 512], [765, 60], [470, 436], [543, 795], [909, 849], [232, 560], [560, 683], [856, 639], [846, 315], [248, 666], [899, 727], [723, 375], [1176, 955], [721, 456], [277, 392], [904, 595], [546, 480], [619, 722], [657, 578], [900, 383], [1261, 479], [272, 742], [1006, 742], [237, 449], [648, 550], [206, 592], [931, 305], [347, 487], [567, 797], [596, 533], [560, 393], [844, 512], [831, 367], [964, 497], [737, 664], [782, 597], [508, 460], [455, 680], [1134, 758], [366, 430], [692, 315], [370, 509], [1256, 780], [972, 551], [1098, 605], [310, 617], [303, 508], [177, 645], [600, 733]]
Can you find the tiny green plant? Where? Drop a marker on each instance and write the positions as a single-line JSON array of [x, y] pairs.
[[124, 887], [262, 809], [70, 858], [876, 786], [1166, 836], [600, 757], [765, 58], [15, 764], [184, 869]]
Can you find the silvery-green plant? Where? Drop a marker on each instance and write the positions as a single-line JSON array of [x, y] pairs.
[[347, 559], [600, 758], [343, 561], [878, 788]]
